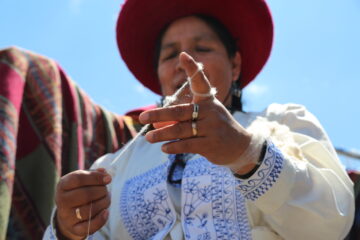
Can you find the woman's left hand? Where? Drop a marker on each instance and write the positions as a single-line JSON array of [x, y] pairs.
[[220, 138]]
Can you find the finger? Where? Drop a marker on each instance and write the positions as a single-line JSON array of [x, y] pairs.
[[96, 208], [189, 145], [96, 222], [199, 82], [163, 124], [172, 113], [83, 178], [180, 130], [81, 196], [176, 113], [103, 170]]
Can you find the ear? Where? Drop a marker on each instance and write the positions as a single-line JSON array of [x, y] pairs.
[[236, 66]]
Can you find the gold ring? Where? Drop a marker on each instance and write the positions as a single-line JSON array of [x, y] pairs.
[[195, 113], [194, 129], [78, 215]]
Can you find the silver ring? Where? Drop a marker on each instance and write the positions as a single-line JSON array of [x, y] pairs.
[[194, 129], [77, 213], [195, 113]]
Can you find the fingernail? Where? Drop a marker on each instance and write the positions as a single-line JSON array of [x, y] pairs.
[[164, 148], [106, 214], [150, 136], [187, 57], [144, 117], [107, 179]]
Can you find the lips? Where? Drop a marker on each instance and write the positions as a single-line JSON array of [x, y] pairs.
[[184, 96], [179, 82]]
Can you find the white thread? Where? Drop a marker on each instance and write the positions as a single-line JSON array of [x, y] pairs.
[[200, 67], [169, 101], [89, 222], [211, 93]]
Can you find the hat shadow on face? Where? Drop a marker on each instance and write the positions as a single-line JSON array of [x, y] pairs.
[[141, 21]]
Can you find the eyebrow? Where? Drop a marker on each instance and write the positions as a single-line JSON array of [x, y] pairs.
[[196, 39], [168, 45]]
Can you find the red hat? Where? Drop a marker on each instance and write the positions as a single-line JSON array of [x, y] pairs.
[[141, 21]]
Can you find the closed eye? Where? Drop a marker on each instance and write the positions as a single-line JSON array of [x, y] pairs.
[[203, 49], [170, 56]]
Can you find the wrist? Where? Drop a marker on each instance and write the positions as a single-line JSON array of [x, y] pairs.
[[248, 171], [61, 233], [250, 160], [245, 170]]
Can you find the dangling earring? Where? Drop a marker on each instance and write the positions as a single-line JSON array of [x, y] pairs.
[[160, 103], [236, 90]]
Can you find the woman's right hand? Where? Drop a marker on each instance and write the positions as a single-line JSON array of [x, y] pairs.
[[82, 190]]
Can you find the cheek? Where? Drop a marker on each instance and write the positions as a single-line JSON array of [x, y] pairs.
[[164, 78], [221, 78], [165, 87]]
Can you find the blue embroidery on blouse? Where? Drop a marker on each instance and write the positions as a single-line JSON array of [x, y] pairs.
[[212, 208], [265, 176], [52, 236], [145, 207]]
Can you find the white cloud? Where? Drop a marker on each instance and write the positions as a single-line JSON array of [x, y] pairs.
[[256, 89], [140, 88]]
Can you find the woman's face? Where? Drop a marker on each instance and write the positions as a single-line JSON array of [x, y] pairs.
[[193, 36]]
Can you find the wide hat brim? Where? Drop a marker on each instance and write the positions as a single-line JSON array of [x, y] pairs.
[[141, 21]]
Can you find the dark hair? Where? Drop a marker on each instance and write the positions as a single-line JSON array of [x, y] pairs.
[[227, 40]]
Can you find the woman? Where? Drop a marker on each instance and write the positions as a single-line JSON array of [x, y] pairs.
[[222, 173]]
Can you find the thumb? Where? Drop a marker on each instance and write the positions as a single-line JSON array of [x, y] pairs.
[[199, 82]]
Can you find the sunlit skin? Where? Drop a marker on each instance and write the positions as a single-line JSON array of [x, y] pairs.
[[220, 138], [195, 37]]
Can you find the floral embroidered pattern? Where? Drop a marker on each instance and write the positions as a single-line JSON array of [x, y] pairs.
[[265, 176], [51, 234], [212, 207], [145, 206]]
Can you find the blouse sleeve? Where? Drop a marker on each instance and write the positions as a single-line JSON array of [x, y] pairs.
[[304, 193]]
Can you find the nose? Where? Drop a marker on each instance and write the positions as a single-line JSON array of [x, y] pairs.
[[191, 53], [178, 66], [180, 71]]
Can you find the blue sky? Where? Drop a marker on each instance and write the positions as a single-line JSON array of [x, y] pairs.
[[315, 59]]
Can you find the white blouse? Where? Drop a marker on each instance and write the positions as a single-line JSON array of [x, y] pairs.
[[300, 191]]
